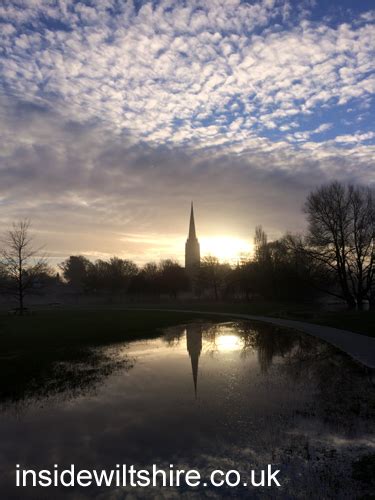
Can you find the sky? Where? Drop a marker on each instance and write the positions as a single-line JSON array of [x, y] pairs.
[[114, 115]]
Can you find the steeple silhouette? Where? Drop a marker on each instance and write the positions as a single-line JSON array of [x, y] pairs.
[[192, 234], [192, 250], [194, 348]]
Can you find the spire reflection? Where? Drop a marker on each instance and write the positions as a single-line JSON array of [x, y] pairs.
[[194, 348]]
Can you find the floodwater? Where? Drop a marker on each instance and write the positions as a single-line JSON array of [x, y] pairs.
[[206, 396]]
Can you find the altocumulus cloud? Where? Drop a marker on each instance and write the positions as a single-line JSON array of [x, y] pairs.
[[114, 114]]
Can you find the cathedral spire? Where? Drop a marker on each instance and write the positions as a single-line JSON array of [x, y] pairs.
[[192, 251], [192, 234]]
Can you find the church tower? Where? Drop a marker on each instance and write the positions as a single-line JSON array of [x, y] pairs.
[[192, 251]]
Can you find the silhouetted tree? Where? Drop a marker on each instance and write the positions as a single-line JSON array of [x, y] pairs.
[[23, 268], [119, 273], [242, 278], [293, 274], [257, 272], [261, 253], [75, 270], [114, 276], [151, 272], [173, 278], [278, 270], [311, 275], [213, 275], [341, 235], [148, 279]]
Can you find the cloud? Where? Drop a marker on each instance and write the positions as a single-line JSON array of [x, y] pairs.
[[355, 137], [322, 128], [143, 70], [114, 114], [81, 206]]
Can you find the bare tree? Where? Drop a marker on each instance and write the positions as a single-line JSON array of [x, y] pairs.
[[342, 237], [213, 274], [172, 278], [260, 245], [20, 262]]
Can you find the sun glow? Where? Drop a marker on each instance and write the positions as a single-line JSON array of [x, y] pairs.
[[228, 343], [225, 248]]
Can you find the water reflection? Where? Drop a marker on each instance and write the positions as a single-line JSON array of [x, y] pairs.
[[269, 341], [234, 395], [194, 348], [64, 374]]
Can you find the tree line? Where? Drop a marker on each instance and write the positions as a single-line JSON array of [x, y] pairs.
[[335, 256]]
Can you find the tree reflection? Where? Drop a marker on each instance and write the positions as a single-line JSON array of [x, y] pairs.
[[269, 342], [173, 335], [342, 392]]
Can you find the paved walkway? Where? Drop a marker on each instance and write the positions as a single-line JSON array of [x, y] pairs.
[[359, 347]]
